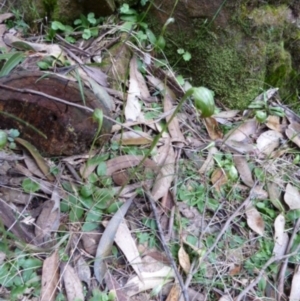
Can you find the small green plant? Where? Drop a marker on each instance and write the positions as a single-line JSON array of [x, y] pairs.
[[88, 25], [263, 109], [18, 22], [8, 137]]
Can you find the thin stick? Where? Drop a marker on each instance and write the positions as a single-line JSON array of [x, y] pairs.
[[164, 244], [197, 262], [228, 222], [262, 271]]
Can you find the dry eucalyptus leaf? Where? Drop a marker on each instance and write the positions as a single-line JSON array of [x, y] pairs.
[[274, 195], [144, 91], [50, 277], [243, 168], [133, 107], [281, 237], [212, 128], [107, 240], [273, 123], [173, 127], [132, 138], [295, 289], [83, 270], [72, 283], [126, 243], [292, 133], [243, 132], [230, 114], [209, 162], [184, 260], [166, 174], [268, 141], [149, 280], [47, 222], [174, 293], [254, 220], [219, 178], [292, 197]]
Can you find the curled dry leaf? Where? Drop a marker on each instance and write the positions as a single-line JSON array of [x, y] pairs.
[[281, 237], [184, 260], [72, 283], [50, 277], [254, 220], [292, 133], [268, 141], [243, 168], [295, 289], [292, 196]]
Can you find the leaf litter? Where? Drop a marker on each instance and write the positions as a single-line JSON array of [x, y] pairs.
[[231, 230]]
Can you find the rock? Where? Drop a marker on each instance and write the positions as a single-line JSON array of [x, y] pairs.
[[53, 127]]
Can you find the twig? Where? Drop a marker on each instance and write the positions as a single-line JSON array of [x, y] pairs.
[[280, 278], [196, 263], [164, 244], [261, 273], [227, 224]]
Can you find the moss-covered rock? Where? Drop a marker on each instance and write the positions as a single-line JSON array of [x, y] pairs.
[[254, 49]]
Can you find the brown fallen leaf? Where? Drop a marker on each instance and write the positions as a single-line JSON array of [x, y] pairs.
[[219, 178], [127, 161], [213, 128], [254, 220], [174, 293], [184, 260], [72, 283], [47, 222], [243, 168], [50, 277]]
